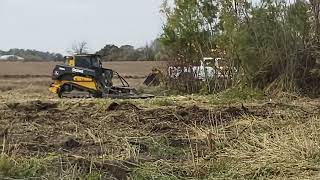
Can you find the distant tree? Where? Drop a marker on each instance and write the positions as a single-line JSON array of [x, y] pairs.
[[149, 52], [128, 53], [153, 51], [79, 48], [107, 50]]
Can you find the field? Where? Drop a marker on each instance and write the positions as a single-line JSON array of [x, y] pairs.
[[17, 75], [238, 134], [126, 68]]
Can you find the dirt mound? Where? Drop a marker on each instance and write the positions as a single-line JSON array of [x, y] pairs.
[[122, 107], [70, 143], [33, 106], [174, 120], [113, 169], [229, 113], [7, 88], [162, 127], [221, 115]]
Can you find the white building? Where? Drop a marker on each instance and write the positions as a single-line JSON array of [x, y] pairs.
[[11, 57]]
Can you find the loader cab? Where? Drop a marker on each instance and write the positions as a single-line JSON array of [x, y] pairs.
[[84, 61]]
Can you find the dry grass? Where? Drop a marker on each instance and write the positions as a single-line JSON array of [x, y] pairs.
[[280, 147]]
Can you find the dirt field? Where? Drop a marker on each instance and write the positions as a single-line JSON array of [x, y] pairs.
[[174, 137], [127, 68]]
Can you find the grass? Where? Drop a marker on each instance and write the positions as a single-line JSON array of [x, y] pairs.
[[157, 90], [42, 168], [150, 171], [236, 95], [162, 102], [161, 148], [9, 167], [269, 148]]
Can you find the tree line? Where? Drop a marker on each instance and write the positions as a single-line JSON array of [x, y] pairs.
[[33, 55], [273, 44], [150, 52]]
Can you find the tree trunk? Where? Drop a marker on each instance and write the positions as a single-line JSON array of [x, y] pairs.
[[316, 10]]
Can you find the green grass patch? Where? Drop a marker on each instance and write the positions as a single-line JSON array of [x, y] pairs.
[[92, 176], [236, 95], [162, 102], [42, 168], [158, 91], [27, 169], [161, 148], [152, 172]]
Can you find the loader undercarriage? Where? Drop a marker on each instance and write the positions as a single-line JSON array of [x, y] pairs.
[[74, 91]]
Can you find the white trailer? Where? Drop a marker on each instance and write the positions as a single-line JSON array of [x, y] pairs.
[[209, 68]]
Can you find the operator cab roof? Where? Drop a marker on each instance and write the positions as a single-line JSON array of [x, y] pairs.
[[91, 55], [83, 55]]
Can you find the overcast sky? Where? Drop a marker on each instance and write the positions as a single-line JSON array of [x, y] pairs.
[[54, 25]]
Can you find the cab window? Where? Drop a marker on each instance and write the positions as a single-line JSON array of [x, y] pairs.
[[95, 62], [82, 61]]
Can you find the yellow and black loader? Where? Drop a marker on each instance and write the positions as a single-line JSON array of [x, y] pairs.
[[82, 75]]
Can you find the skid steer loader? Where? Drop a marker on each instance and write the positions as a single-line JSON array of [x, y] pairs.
[[83, 76]]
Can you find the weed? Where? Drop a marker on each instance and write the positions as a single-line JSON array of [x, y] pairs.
[[93, 176], [27, 169], [160, 148], [151, 172], [162, 102], [6, 166], [236, 95]]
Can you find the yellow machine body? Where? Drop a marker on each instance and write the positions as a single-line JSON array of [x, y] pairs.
[[70, 61], [86, 82]]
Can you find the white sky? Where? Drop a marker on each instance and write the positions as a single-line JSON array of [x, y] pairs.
[[54, 25]]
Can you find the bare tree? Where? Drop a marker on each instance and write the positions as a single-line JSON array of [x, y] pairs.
[[79, 48]]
